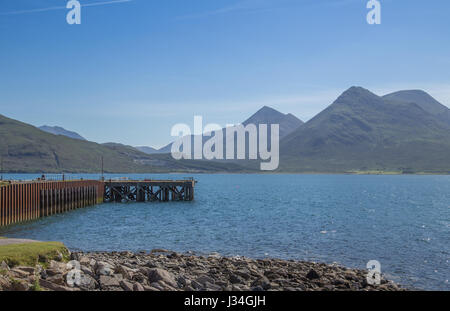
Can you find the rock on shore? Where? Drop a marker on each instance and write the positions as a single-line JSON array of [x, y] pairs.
[[168, 271]]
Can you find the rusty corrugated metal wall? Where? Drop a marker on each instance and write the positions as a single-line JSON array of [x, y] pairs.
[[21, 202]]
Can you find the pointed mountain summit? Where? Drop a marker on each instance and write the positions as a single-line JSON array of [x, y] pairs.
[[363, 131], [343, 122], [267, 115], [264, 115]]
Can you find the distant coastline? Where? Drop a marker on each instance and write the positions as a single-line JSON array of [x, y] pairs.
[[236, 173]]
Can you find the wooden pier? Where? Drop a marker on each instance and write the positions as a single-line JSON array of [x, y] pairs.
[[149, 190], [25, 201]]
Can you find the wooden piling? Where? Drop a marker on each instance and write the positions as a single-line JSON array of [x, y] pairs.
[[25, 201]]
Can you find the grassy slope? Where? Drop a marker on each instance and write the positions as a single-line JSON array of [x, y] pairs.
[[28, 254], [26, 148]]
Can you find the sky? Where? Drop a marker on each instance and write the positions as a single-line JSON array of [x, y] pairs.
[[135, 68]]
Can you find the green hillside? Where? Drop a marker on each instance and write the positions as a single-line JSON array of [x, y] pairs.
[[26, 148]]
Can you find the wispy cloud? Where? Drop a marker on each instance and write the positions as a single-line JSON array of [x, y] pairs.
[[53, 8], [247, 6], [252, 6]]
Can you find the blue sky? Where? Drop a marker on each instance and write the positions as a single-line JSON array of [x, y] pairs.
[[133, 69]]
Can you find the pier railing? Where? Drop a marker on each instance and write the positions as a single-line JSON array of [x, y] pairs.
[[149, 190]]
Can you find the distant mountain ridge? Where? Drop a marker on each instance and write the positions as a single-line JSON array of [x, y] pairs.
[[57, 130], [148, 150], [27, 149], [265, 115]]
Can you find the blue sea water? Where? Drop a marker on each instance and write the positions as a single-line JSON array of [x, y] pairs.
[[401, 221]]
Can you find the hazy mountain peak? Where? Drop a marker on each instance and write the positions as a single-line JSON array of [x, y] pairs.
[[268, 115], [57, 130], [357, 96], [147, 149], [408, 93], [265, 115], [423, 99], [358, 90], [267, 109], [411, 96]]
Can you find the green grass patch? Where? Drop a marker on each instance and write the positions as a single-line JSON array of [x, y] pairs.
[[36, 287], [374, 172], [30, 254]]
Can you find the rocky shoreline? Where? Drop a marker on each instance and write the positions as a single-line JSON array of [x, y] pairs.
[[163, 270]]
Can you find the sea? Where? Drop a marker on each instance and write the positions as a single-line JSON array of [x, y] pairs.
[[402, 221]]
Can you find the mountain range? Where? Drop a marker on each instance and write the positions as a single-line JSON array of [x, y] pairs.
[[27, 149], [401, 132], [57, 130], [266, 115]]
